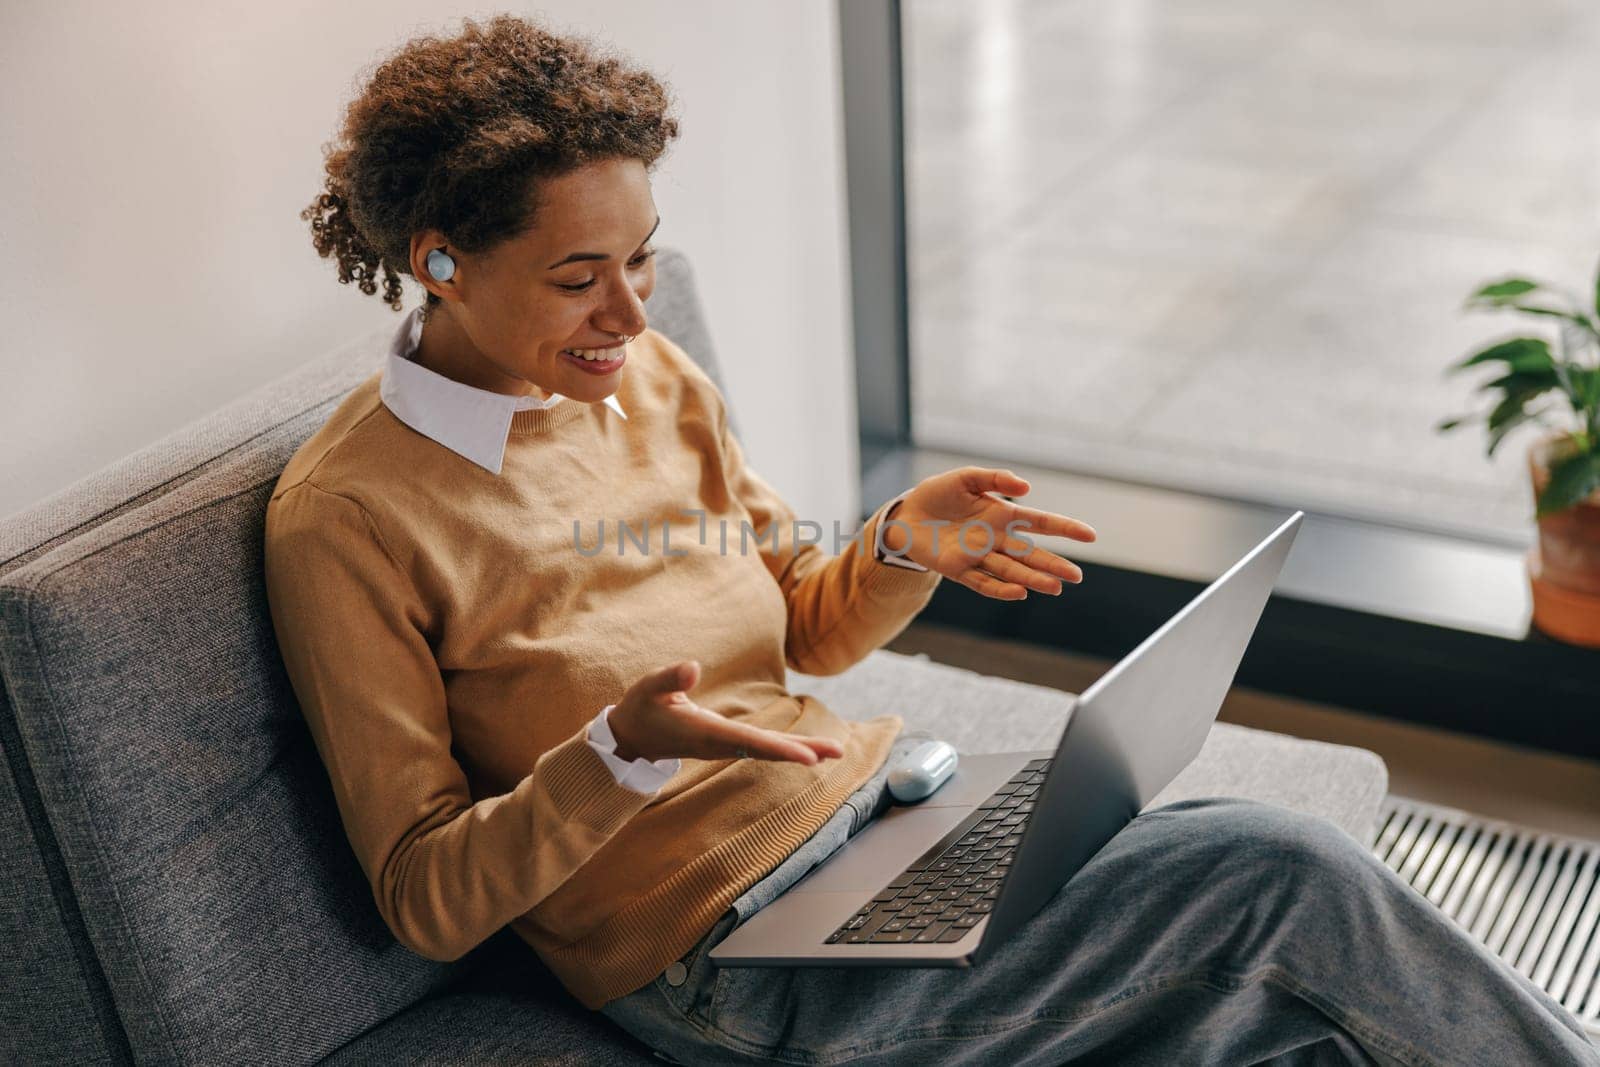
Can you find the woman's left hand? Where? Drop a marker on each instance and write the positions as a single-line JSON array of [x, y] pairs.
[[990, 557]]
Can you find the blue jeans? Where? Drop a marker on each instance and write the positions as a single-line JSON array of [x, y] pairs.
[[1212, 931]]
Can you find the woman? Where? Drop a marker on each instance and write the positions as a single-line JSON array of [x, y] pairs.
[[501, 692]]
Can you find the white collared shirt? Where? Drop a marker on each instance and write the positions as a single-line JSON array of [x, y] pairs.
[[882, 555], [640, 775], [475, 423], [467, 420]]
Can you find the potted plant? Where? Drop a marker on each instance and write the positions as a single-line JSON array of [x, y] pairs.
[[1558, 389]]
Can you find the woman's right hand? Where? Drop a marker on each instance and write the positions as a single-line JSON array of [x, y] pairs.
[[656, 719]]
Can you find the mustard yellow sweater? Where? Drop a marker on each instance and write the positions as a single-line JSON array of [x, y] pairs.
[[449, 635]]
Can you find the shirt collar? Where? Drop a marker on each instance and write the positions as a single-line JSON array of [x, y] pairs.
[[467, 420]]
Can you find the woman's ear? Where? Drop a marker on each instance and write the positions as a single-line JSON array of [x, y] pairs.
[[438, 277]]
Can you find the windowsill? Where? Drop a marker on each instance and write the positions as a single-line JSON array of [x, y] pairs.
[[1419, 625]]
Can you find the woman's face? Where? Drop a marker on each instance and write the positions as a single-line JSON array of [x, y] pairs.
[[576, 281]]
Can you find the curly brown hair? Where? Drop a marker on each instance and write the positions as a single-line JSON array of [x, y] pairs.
[[455, 133]]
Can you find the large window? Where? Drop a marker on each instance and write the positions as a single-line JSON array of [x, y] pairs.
[[1224, 247]]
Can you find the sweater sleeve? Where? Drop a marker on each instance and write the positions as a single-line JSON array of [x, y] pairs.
[[841, 607], [446, 873]]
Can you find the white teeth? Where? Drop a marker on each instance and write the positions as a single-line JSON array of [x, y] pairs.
[[593, 354]]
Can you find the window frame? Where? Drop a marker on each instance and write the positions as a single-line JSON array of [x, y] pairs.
[[1433, 628]]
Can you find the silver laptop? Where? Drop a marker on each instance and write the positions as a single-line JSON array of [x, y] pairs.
[[941, 882]]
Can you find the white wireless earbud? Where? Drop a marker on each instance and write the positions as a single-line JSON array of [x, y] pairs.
[[440, 265]]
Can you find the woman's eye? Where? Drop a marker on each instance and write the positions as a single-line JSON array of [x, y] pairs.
[[636, 261]]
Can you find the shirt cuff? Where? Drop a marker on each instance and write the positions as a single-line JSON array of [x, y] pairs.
[[640, 775], [893, 560]]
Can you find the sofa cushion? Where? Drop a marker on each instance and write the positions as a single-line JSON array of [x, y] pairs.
[[201, 850], [494, 1028], [978, 713], [502, 1014], [54, 1008]]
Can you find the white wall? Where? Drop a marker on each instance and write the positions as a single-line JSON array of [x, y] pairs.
[[156, 157]]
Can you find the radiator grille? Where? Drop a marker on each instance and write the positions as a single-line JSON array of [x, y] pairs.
[[1532, 897]]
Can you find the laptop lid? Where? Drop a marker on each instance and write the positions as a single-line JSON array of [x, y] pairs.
[[1134, 729]]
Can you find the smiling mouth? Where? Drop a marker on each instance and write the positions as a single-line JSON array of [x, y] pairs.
[[594, 355], [597, 361]]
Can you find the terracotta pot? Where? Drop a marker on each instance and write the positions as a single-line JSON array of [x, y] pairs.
[[1564, 568]]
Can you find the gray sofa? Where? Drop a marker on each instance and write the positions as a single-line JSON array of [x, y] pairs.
[[176, 886]]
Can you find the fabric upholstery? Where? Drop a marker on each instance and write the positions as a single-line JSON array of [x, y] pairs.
[[173, 776], [502, 1013], [54, 1006]]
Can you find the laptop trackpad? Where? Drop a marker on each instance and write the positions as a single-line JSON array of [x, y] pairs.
[[878, 853]]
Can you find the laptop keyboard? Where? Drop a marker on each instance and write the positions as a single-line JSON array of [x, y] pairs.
[[952, 886]]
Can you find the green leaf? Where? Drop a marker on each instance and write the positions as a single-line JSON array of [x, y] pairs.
[[1501, 291], [1508, 408], [1571, 480], [1585, 388], [1554, 313], [1520, 354], [1450, 424], [1507, 294], [1507, 417], [1526, 385]]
